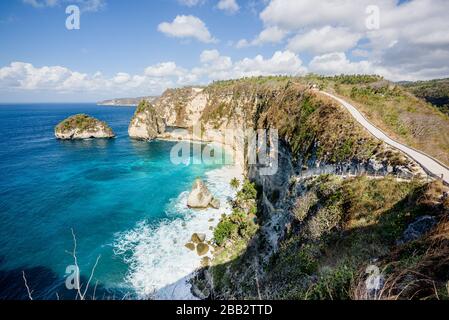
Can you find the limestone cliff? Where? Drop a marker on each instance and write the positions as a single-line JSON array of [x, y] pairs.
[[82, 126], [317, 138], [146, 123]]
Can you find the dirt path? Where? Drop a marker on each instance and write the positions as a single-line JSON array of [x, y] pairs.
[[432, 166]]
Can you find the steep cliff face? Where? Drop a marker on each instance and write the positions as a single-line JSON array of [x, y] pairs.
[[316, 202], [182, 107], [316, 134], [82, 126], [146, 123]]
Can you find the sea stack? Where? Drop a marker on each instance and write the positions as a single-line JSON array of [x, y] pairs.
[[200, 197], [82, 126], [146, 124]]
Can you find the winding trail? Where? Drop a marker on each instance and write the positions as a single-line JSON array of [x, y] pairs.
[[432, 166]]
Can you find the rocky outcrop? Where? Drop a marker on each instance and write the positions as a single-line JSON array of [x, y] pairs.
[[82, 126], [418, 228], [202, 249], [182, 107], [146, 123], [201, 197], [198, 237]]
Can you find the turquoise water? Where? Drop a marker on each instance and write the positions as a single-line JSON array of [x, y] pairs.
[[106, 190]]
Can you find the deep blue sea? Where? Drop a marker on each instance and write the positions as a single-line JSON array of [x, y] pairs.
[[124, 200]]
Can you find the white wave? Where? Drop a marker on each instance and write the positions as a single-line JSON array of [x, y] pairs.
[[160, 267]]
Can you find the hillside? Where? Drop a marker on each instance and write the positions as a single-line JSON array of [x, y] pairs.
[[126, 102], [310, 230], [435, 92], [393, 109]]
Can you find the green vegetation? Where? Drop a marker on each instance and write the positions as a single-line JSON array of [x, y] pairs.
[[247, 193], [329, 228], [339, 226], [143, 106], [241, 222], [235, 183], [233, 233], [286, 104], [81, 122], [395, 110], [435, 92]]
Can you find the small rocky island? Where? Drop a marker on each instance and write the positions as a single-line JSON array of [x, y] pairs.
[[201, 197], [146, 124], [82, 126]]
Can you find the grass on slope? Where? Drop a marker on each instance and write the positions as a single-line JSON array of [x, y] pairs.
[[341, 226], [395, 110], [435, 92], [312, 125]]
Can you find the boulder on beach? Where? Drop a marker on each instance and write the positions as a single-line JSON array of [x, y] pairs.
[[198, 237], [82, 126], [190, 246], [202, 249], [215, 203], [200, 197]]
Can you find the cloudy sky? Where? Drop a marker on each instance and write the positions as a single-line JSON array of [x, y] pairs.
[[133, 48]]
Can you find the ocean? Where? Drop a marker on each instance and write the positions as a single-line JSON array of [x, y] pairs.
[[124, 200]]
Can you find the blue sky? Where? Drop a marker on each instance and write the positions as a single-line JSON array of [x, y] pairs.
[[122, 36], [129, 48]]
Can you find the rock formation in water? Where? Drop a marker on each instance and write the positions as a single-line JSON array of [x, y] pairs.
[[82, 126], [200, 197], [146, 123]]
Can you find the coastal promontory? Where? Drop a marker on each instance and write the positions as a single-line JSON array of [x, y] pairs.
[[82, 126], [146, 123]]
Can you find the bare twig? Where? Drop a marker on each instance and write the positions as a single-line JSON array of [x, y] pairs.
[[26, 285], [91, 275], [95, 290], [256, 264], [75, 259], [79, 294]]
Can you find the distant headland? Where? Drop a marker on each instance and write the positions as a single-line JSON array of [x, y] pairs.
[[126, 102]]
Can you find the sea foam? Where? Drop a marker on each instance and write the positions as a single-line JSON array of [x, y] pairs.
[[160, 266]]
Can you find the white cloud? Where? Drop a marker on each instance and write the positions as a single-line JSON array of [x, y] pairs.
[[41, 3], [229, 6], [85, 5], [164, 69], [121, 78], [360, 53], [412, 41], [338, 63], [326, 39], [209, 56], [218, 67], [242, 43], [268, 35], [281, 63], [23, 77], [191, 3], [187, 27], [294, 14]]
